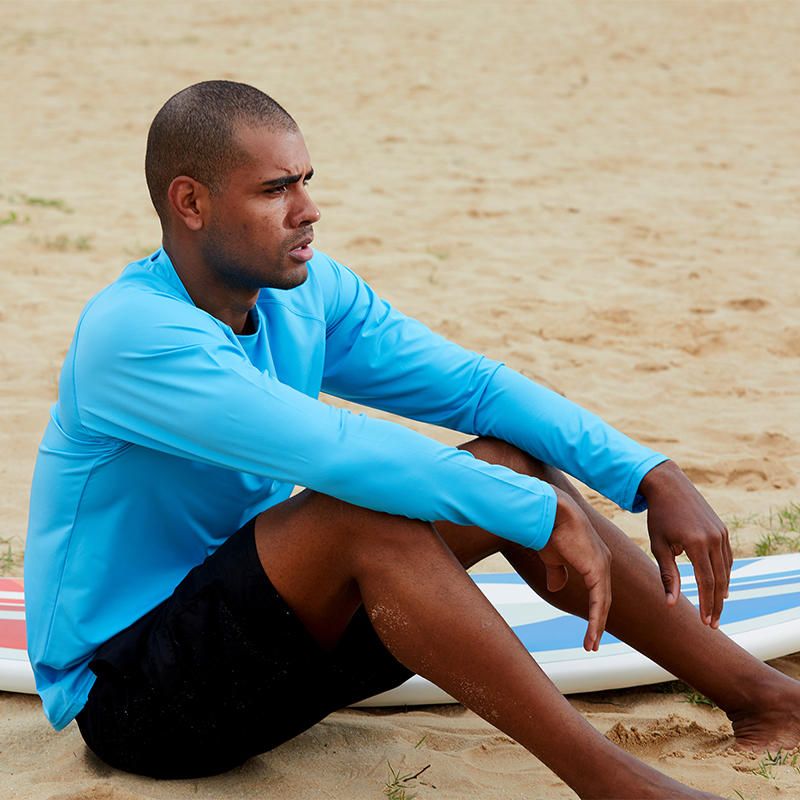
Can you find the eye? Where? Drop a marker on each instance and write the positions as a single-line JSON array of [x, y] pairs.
[[276, 190]]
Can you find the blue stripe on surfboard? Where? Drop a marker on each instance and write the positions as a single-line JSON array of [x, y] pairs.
[[686, 570], [740, 582], [753, 583], [568, 631]]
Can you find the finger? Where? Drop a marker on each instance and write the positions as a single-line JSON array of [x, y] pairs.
[[599, 587], [720, 584], [728, 558], [556, 577], [670, 576], [705, 584]]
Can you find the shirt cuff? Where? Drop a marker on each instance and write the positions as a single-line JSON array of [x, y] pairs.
[[633, 500], [547, 520]]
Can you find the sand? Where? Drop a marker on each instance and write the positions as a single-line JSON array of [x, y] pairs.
[[602, 195]]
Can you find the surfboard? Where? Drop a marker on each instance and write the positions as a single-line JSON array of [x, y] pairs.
[[762, 614], [16, 674]]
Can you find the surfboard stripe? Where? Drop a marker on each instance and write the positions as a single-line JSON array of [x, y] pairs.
[[512, 578], [745, 580], [567, 631], [517, 596], [12, 634], [757, 591]]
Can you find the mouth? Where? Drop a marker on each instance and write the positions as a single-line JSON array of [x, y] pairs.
[[302, 251]]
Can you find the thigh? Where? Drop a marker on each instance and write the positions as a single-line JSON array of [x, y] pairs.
[[221, 671], [315, 549]]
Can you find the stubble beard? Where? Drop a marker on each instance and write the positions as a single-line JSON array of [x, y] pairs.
[[218, 253]]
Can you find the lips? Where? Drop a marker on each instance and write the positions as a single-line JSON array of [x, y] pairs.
[[301, 251]]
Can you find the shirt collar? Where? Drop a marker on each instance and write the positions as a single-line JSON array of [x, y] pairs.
[[161, 264]]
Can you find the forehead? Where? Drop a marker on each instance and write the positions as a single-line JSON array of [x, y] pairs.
[[270, 153]]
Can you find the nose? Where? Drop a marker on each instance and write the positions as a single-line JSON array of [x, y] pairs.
[[305, 211]]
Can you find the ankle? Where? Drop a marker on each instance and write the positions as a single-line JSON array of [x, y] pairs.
[[770, 693]]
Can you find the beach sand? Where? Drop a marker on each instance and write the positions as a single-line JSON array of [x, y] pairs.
[[602, 195]]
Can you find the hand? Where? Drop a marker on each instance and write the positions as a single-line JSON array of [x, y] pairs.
[[679, 520], [575, 543]]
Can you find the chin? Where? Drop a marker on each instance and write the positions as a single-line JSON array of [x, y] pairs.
[[295, 276]]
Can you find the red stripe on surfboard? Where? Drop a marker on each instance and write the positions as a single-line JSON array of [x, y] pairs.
[[10, 584], [12, 634]]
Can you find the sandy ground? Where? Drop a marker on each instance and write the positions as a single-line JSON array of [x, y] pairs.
[[603, 195]]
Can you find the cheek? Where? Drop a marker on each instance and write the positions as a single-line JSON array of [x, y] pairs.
[[267, 229]]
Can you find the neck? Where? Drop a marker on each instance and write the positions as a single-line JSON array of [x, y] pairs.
[[230, 304]]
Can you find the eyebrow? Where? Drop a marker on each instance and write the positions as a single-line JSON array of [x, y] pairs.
[[287, 179]]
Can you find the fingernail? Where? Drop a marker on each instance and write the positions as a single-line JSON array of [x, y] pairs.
[[708, 620]]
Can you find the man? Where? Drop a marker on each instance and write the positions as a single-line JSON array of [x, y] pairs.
[[191, 614]]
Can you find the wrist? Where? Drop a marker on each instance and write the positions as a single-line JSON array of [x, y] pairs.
[[568, 512], [664, 474]]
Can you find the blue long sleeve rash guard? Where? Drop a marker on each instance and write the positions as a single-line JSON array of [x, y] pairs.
[[171, 431]]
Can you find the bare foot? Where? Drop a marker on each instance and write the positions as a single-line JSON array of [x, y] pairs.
[[772, 725]]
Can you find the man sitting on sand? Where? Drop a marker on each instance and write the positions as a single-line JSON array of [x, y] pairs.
[[191, 614]]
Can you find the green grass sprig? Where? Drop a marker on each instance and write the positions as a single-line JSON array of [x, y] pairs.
[[398, 785]]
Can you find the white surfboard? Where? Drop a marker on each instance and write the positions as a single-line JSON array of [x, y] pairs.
[[762, 614], [16, 674]]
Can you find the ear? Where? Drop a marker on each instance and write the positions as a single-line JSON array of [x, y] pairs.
[[189, 201]]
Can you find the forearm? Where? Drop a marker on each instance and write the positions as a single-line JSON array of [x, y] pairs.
[[209, 405], [561, 433]]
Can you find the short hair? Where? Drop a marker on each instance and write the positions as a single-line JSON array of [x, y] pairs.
[[194, 134]]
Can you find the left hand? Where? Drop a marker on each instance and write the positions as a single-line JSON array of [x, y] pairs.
[[679, 520]]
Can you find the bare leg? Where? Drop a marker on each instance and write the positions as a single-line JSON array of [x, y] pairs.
[[325, 557], [762, 703]]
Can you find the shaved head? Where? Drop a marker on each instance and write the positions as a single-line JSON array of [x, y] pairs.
[[194, 134]]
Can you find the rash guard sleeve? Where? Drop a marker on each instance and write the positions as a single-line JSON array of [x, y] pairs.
[[379, 357], [169, 377]]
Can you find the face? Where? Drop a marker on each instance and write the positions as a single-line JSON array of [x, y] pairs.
[[258, 229]]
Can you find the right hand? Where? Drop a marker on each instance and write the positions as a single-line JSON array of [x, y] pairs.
[[575, 543]]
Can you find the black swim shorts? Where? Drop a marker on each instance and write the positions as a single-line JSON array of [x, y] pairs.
[[221, 671]]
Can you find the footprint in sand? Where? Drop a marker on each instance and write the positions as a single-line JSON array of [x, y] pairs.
[[673, 736], [101, 791], [788, 343], [751, 474], [498, 754], [747, 304], [365, 242]]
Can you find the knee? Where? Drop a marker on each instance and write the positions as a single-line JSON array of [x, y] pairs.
[[496, 451], [362, 530]]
